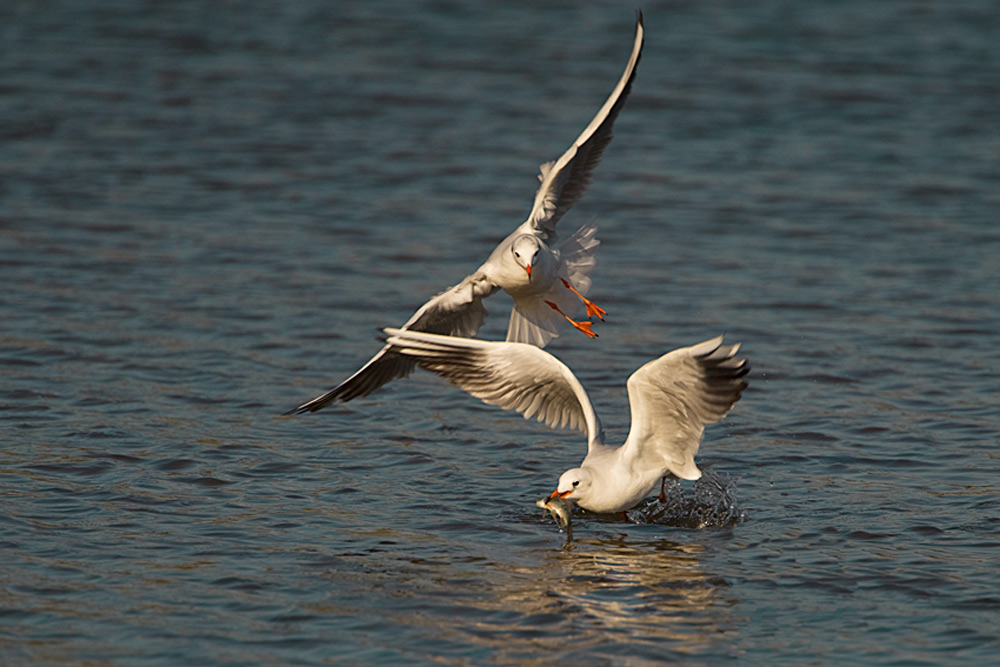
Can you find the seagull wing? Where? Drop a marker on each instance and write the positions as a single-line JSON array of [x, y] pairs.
[[458, 311], [565, 180], [672, 399], [514, 376]]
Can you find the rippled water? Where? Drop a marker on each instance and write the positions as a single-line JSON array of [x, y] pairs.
[[207, 210]]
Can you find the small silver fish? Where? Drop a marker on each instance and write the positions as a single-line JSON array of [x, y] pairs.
[[561, 510]]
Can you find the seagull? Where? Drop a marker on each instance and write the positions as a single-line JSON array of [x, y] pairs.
[[547, 283], [672, 399]]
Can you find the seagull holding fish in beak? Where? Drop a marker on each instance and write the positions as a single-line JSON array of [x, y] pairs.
[[672, 398]]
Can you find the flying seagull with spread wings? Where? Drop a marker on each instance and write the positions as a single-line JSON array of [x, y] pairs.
[[547, 283], [672, 399]]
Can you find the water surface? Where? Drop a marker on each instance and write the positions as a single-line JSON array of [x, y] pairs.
[[208, 210]]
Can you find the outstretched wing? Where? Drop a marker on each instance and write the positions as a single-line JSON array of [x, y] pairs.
[[458, 311], [514, 376], [673, 397], [565, 180]]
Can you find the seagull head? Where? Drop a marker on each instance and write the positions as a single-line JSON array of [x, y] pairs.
[[525, 248], [573, 485]]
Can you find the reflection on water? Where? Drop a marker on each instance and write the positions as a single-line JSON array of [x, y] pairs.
[[600, 597], [639, 593]]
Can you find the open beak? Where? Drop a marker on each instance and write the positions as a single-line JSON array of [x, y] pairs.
[[558, 494]]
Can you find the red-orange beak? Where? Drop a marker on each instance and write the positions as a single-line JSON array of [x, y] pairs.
[[528, 269], [557, 494]]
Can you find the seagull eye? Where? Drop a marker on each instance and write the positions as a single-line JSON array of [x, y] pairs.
[[576, 483], [517, 254]]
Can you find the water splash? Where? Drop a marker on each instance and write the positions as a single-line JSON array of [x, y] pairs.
[[711, 502]]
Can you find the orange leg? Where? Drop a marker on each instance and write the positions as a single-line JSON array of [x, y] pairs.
[[592, 308], [585, 327], [624, 515], [663, 495]]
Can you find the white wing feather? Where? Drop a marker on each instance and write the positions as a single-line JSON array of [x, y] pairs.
[[457, 311], [565, 180], [513, 376], [672, 399]]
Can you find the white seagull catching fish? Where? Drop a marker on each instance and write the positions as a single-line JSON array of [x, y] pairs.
[[672, 399], [546, 283]]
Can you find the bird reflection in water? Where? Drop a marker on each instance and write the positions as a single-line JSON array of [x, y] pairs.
[[614, 596]]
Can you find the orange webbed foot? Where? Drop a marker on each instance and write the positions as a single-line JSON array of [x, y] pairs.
[[593, 310], [585, 327]]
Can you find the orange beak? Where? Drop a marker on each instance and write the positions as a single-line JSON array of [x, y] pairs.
[[557, 494], [528, 269]]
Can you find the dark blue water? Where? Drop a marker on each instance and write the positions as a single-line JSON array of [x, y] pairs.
[[208, 209]]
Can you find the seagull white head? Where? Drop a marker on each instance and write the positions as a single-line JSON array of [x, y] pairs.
[[574, 484], [524, 248]]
